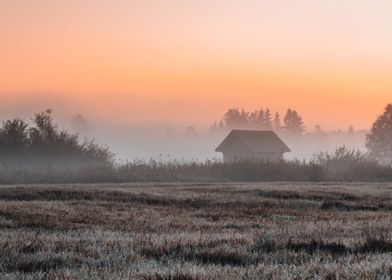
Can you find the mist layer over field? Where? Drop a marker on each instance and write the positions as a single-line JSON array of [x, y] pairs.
[[182, 142]]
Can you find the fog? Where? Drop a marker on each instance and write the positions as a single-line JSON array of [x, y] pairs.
[[145, 142], [149, 141], [166, 141]]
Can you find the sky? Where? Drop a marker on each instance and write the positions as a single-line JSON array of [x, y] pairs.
[[188, 61]]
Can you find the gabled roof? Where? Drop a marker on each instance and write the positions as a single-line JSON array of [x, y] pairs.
[[255, 141]]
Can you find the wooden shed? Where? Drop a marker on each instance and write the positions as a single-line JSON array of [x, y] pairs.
[[254, 145]]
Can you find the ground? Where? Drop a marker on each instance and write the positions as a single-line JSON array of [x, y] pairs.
[[196, 231]]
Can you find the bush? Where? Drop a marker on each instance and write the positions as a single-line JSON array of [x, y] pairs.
[[43, 144]]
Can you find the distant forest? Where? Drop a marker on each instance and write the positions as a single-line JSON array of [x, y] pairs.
[[264, 119], [260, 119]]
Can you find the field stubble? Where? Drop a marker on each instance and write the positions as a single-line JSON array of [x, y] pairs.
[[196, 231]]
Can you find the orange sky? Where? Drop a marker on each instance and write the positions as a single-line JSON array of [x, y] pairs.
[[188, 61]]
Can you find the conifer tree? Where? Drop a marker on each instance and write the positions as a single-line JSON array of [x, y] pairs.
[[379, 140], [293, 123]]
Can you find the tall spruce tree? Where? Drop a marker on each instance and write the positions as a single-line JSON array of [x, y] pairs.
[[277, 125], [267, 119], [379, 140]]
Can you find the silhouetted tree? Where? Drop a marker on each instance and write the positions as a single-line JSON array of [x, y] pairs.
[[256, 118], [277, 125], [293, 122], [235, 118], [261, 119], [267, 119], [244, 119], [252, 118], [379, 140], [45, 131], [13, 135]]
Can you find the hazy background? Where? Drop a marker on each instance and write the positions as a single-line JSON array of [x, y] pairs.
[[169, 140], [135, 68]]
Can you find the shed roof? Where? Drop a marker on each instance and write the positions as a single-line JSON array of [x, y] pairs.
[[255, 141]]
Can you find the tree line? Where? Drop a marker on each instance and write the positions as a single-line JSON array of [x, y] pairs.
[[263, 119], [378, 139]]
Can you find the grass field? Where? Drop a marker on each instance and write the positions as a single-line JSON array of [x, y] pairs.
[[196, 231]]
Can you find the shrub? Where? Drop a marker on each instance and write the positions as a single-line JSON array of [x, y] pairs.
[[44, 144]]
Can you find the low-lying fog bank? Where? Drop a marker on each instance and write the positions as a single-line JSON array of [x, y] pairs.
[[160, 142]]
